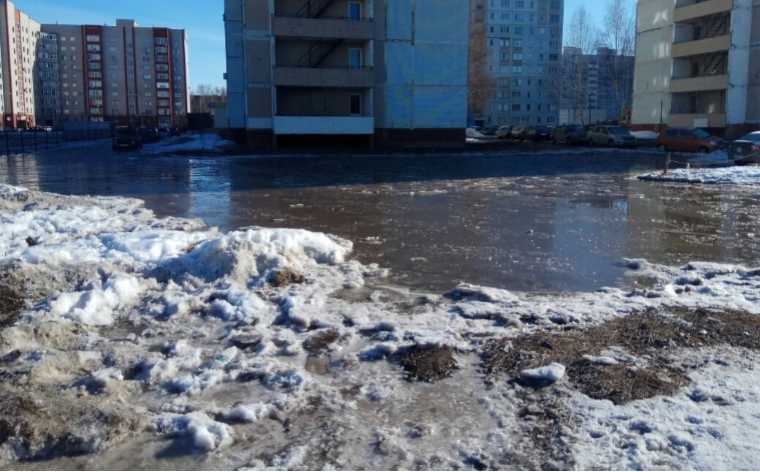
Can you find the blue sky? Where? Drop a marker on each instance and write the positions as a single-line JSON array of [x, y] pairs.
[[201, 18]]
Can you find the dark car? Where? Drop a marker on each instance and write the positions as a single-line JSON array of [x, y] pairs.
[[570, 134], [607, 135], [746, 150], [150, 135], [126, 138], [539, 133], [688, 140]]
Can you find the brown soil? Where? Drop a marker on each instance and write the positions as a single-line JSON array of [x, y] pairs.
[[647, 334], [320, 341], [286, 277], [11, 303], [427, 363]]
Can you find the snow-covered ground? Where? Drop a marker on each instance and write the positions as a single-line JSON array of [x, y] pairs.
[[164, 343], [734, 175], [190, 143]]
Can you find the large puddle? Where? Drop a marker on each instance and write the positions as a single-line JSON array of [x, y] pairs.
[[532, 223]]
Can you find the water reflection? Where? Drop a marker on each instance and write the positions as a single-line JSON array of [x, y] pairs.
[[549, 223]]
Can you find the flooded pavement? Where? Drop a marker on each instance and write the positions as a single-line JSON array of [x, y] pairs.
[[551, 222]]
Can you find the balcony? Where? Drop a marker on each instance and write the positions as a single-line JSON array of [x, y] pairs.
[[324, 125], [702, 46], [688, 11], [322, 28], [698, 120], [699, 84], [324, 77]]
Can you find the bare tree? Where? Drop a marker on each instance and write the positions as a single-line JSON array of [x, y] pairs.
[[482, 86], [619, 35], [583, 32]]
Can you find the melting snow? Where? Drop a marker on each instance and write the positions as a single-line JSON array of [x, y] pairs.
[[736, 175]]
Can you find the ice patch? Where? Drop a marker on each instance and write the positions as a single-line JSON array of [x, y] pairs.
[[204, 433], [737, 175]]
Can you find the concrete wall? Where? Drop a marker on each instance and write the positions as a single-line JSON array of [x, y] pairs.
[[753, 84], [653, 67], [235, 73], [425, 65]]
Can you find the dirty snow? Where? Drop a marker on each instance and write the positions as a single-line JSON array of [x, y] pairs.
[[228, 368], [735, 175]]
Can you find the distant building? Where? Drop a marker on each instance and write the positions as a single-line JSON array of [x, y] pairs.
[[19, 36], [206, 103], [698, 64], [363, 70], [523, 41], [123, 73], [595, 87]]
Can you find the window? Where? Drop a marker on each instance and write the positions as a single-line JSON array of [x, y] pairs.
[[356, 104], [354, 58], [93, 38], [354, 11]]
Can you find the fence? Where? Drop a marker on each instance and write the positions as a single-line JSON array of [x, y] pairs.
[[24, 141]]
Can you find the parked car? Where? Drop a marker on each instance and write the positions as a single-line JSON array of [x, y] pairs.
[[611, 136], [570, 134], [519, 133], [746, 150], [539, 133], [687, 140], [125, 138], [504, 132]]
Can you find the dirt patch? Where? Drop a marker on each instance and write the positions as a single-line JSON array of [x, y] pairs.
[[285, 277], [11, 303], [427, 363], [42, 425], [321, 341], [647, 334]]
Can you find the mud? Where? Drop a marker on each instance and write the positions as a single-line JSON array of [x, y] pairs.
[[286, 277], [647, 336], [427, 363]]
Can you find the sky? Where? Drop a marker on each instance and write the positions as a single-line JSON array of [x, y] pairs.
[[202, 19]]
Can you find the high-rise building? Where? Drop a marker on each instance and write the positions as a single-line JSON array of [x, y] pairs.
[[595, 87], [122, 73], [388, 71], [19, 36], [522, 48], [698, 64]]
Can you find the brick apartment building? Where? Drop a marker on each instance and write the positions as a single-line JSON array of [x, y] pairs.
[[53, 74]]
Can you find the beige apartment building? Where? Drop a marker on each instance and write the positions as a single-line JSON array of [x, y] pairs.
[[363, 71], [698, 64], [123, 73], [19, 36]]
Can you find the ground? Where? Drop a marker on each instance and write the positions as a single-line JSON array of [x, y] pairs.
[[135, 341]]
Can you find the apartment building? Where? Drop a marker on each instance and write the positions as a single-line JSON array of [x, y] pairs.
[[367, 71], [123, 73], [595, 87], [19, 36], [698, 64], [523, 41]]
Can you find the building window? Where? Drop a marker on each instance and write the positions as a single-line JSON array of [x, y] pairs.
[[354, 58], [354, 11], [356, 104]]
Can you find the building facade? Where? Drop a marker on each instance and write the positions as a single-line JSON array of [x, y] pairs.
[[383, 71], [19, 37], [122, 73], [595, 87], [698, 64], [523, 41]]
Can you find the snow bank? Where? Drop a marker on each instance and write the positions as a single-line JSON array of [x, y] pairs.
[[216, 333], [736, 175]]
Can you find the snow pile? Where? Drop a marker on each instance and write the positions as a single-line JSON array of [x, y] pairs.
[[192, 143], [736, 175], [216, 334]]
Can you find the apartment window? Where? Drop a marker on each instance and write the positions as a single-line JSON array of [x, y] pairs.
[[356, 104], [162, 85], [93, 47], [354, 58], [354, 11], [93, 38]]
